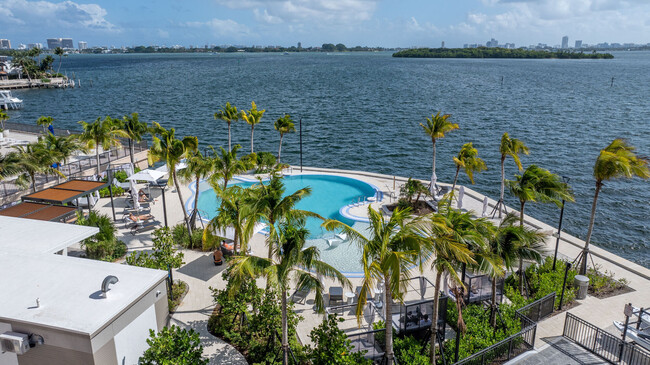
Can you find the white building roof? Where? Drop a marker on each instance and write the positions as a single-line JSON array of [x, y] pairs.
[[39, 237], [68, 289]]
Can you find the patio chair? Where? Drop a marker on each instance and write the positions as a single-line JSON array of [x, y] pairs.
[[144, 226], [124, 185], [336, 295], [300, 295]]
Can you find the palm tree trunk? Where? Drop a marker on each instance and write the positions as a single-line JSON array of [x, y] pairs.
[[503, 183], [434, 178], [592, 218], [521, 261], [389, 322], [269, 239], [33, 178], [180, 197], [97, 155], [132, 153], [60, 62], [493, 317], [434, 318], [285, 329], [280, 148], [235, 238], [196, 195], [453, 186], [229, 147], [252, 129]]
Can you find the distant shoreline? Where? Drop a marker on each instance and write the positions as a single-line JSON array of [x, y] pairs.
[[484, 52]]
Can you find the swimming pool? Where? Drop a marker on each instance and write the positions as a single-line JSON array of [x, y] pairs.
[[329, 194]]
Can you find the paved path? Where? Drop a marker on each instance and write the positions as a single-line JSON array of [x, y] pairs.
[[559, 351]]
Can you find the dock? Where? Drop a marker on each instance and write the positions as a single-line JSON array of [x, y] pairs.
[[53, 83]]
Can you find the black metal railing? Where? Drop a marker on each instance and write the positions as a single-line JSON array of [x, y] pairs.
[[602, 343], [37, 129], [369, 343], [540, 308]]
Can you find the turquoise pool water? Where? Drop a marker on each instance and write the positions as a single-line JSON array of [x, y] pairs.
[[329, 194]]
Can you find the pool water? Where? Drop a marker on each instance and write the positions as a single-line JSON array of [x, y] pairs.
[[329, 193]]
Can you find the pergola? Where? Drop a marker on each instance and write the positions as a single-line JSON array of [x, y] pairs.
[[68, 192], [38, 211]]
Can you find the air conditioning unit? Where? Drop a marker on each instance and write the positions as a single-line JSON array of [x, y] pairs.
[[15, 342]]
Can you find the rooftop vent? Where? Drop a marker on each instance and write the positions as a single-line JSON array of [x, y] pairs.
[[110, 279]]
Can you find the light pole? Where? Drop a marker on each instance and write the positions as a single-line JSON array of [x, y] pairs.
[[559, 228], [300, 127]]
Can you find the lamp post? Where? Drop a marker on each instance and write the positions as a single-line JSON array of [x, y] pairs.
[[300, 127], [559, 228]]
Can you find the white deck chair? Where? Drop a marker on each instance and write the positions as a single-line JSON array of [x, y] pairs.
[[485, 206]]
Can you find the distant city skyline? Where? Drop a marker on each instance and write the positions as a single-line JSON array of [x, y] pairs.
[[314, 22]]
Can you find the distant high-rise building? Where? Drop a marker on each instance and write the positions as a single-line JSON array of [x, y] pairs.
[[578, 44], [5, 44], [84, 45], [67, 43], [442, 45], [565, 41], [492, 43], [35, 45], [52, 43], [299, 45]]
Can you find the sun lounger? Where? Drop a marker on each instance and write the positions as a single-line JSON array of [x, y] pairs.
[[336, 294], [300, 295]]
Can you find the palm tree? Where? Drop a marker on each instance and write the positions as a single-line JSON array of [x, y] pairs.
[[617, 160], [63, 147], [508, 243], [135, 130], [284, 125], [228, 114], [273, 207], [44, 122], [3, 118], [388, 253], [198, 167], [291, 262], [468, 159], [33, 159], [446, 244], [8, 165], [235, 211], [167, 148], [537, 185], [252, 117], [104, 133], [227, 165], [59, 52], [437, 126], [509, 147]]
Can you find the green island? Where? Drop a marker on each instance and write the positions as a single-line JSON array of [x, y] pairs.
[[485, 52]]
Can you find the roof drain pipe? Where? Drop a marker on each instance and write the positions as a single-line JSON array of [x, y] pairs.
[[110, 279]]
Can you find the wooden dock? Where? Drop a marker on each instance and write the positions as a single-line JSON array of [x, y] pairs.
[[56, 83]]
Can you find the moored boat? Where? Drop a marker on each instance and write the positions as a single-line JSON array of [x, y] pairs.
[[8, 101]]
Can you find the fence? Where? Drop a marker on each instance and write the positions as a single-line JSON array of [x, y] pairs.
[[539, 309], [37, 129], [603, 344]]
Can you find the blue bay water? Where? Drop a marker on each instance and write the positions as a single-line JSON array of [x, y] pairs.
[[362, 111]]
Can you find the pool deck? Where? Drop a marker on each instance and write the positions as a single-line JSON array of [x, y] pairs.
[[200, 273]]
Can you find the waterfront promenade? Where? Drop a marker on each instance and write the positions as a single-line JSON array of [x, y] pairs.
[[200, 273]]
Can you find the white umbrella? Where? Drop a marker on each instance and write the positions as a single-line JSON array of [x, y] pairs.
[[179, 166], [136, 203], [147, 175], [461, 194]]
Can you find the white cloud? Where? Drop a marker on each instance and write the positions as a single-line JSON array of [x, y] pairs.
[[265, 17], [221, 27], [66, 14]]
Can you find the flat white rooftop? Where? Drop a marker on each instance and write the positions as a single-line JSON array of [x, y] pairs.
[[68, 289], [21, 235]]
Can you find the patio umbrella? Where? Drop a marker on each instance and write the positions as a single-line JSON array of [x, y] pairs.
[[136, 203], [147, 175], [179, 166]]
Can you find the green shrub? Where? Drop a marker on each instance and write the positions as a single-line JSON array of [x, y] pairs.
[[409, 351], [380, 337], [179, 233], [105, 193], [604, 283], [332, 345], [173, 345], [179, 288], [543, 280], [104, 245]]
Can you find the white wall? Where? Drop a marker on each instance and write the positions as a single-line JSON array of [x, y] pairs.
[[7, 358], [131, 342]]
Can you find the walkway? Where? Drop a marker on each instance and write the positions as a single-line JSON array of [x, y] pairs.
[[558, 351]]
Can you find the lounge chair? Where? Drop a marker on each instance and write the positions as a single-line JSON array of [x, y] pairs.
[[336, 294], [300, 295], [125, 186], [144, 226]]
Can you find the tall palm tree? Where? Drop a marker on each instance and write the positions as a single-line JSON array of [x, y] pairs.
[[446, 245], [617, 160], [167, 148], [252, 117], [227, 165], [284, 125], [198, 167], [470, 162], [437, 126], [135, 130], [59, 52], [8, 166], [388, 253], [228, 114], [274, 207], [63, 147], [33, 159], [291, 262], [537, 185], [509, 147], [102, 132], [235, 211], [44, 122], [3, 118], [508, 243]]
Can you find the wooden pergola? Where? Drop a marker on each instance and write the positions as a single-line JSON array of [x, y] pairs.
[[38, 211], [69, 192]]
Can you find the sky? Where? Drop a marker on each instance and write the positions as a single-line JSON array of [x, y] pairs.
[[386, 23]]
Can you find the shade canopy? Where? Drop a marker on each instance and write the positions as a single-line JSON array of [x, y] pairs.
[[38, 211], [179, 166], [66, 192], [147, 175]]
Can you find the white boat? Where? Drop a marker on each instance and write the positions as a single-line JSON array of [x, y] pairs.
[[640, 336], [8, 101]]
